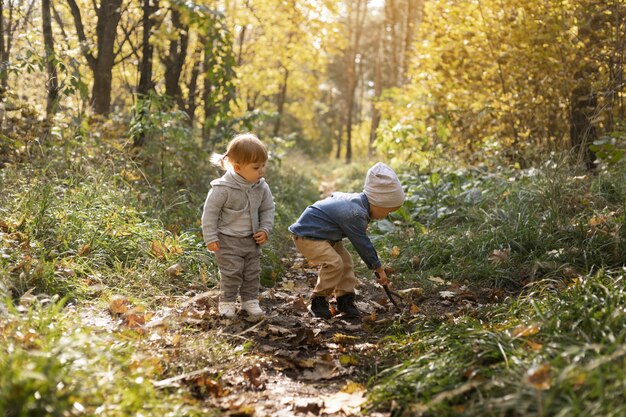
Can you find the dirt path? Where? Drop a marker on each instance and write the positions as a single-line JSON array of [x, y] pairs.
[[288, 363]]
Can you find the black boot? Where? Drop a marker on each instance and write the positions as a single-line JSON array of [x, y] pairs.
[[319, 307], [345, 304]]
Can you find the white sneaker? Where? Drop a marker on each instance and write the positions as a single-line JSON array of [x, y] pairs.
[[227, 309], [252, 308]]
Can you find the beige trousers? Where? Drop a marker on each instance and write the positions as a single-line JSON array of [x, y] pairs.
[[337, 270]]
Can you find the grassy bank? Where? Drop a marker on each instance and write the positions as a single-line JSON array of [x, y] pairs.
[[554, 242]]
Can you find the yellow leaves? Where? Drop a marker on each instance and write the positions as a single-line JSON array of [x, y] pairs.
[[119, 304], [598, 220], [84, 250], [525, 330], [343, 339], [163, 250], [395, 252], [414, 309], [539, 377], [349, 360], [130, 176], [437, 280]]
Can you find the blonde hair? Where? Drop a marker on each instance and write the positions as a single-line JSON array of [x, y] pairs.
[[243, 149]]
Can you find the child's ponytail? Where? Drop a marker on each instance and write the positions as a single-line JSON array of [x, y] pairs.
[[219, 160]]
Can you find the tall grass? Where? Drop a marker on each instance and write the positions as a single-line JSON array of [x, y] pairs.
[[549, 353], [512, 228], [556, 237]]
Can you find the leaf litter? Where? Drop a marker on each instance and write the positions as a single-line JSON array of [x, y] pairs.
[[287, 363]]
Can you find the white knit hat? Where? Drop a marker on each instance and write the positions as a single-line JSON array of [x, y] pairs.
[[382, 187]]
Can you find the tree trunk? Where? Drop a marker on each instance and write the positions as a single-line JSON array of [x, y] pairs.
[[176, 59], [583, 105], [391, 15], [48, 40], [146, 84], [360, 12], [192, 104], [378, 90], [106, 29], [3, 61], [280, 105], [101, 66], [413, 20]]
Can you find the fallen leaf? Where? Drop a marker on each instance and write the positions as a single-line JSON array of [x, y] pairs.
[[322, 371], [349, 404], [157, 249], [300, 305], [132, 318], [253, 374], [597, 220], [414, 309], [278, 331], [208, 386], [415, 292], [539, 377], [119, 304], [525, 330], [343, 339], [370, 318], [307, 406], [174, 270], [395, 252], [304, 336], [447, 294], [84, 250], [351, 387], [349, 360], [288, 286], [499, 255], [437, 280]]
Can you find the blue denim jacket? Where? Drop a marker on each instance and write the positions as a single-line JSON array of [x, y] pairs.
[[338, 216]]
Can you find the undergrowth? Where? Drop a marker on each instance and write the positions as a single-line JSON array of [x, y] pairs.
[[87, 218], [84, 217], [557, 350], [556, 238]]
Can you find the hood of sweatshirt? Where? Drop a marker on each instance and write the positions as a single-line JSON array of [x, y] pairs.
[[233, 180]]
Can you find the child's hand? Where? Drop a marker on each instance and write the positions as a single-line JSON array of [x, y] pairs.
[[213, 246], [260, 237], [382, 276]]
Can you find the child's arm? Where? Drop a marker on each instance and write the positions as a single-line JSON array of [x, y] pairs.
[[356, 231], [266, 216], [215, 200]]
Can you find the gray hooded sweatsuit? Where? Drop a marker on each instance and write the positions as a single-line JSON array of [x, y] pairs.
[[234, 211]]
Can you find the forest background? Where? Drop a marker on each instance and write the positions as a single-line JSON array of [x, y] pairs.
[[504, 119]]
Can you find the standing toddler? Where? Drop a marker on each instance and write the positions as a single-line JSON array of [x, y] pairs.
[[237, 219]]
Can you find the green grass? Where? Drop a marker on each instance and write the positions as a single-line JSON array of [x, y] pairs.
[[558, 351], [86, 219], [51, 364], [510, 228], [557, 347]]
